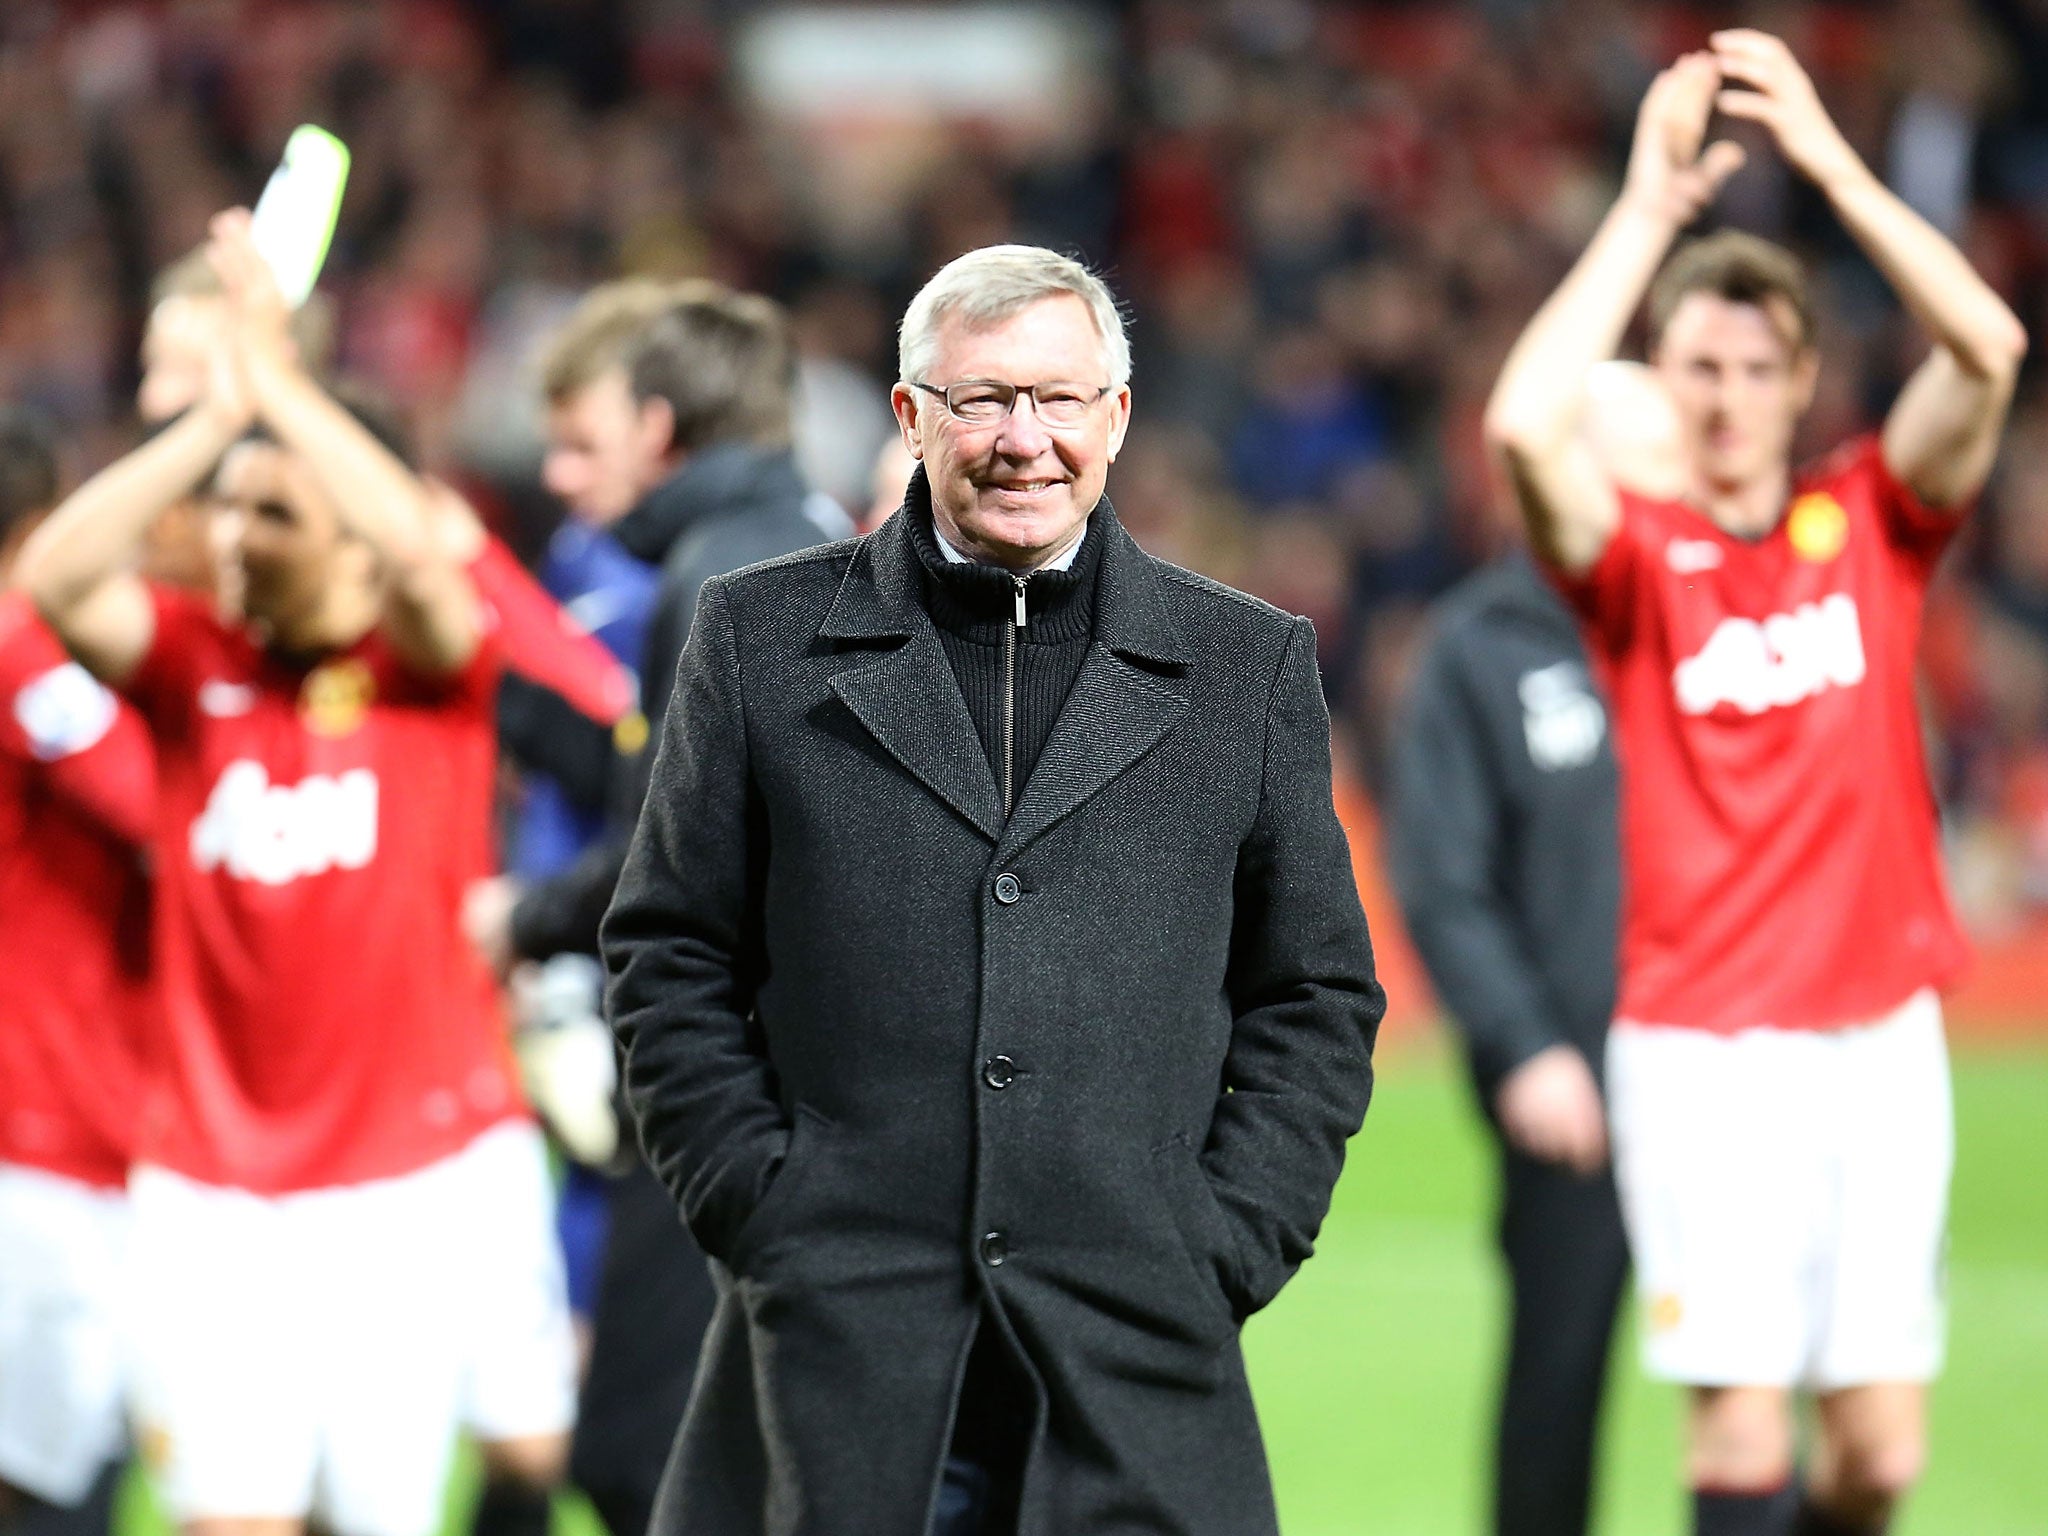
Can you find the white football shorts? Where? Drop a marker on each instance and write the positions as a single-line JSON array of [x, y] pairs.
[[61, 1250], [313, 1354], [1786, 1198], [519, 1377]]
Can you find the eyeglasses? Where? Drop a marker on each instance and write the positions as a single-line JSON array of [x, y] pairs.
[[984, 402]]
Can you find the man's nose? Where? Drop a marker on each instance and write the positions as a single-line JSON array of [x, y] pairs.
[[1022, 435], [558, 474]]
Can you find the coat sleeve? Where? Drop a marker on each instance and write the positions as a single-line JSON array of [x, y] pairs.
[[681, 945], [1446, 813], [1307, 1006], [563, 911], [546, 733], [690, 565], [560, 915]]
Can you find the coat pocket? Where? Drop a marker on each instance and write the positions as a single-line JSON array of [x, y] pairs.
[[1205, 1234], [809, 1131]]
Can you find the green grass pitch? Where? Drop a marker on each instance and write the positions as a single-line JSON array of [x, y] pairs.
[[1374, 1370]]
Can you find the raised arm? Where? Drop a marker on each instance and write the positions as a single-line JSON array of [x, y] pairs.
[[432, 612], [1534, 417], [1943, 430], [100, 762], [78, 567]]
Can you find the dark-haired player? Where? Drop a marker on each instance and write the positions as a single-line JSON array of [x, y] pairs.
[[1777, 1073], [336, 1181], [545, 651]]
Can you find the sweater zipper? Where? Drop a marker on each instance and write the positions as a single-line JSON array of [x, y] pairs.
[[1010, 633]]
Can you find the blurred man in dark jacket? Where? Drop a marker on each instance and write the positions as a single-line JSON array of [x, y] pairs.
[[1503, 844], [1501, 837], [695, 422], [679, 444]]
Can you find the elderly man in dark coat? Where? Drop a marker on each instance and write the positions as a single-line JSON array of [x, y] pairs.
[[995, 996]]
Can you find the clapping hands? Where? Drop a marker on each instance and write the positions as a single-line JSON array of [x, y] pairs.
[[1674, 173], [1669, 173], [1762, 83], [256, 344]]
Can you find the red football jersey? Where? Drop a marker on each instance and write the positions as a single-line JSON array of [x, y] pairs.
[[325, 1020], [541, 643], [1780, 846], [76, 796]]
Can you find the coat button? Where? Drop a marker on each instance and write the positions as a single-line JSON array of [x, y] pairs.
[[999, 1072], [994, 1249], [1007, 888]]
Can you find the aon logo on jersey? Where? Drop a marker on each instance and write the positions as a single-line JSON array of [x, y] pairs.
[[1786, 658], [276, 833]]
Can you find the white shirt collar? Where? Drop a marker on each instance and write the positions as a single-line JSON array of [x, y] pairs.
[[1060, 563]]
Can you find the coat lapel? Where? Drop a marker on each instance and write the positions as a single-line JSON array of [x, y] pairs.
[[907, 697], [1131, 691], [1118, 710]]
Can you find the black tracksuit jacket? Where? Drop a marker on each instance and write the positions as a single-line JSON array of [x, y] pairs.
[[1502, 835]]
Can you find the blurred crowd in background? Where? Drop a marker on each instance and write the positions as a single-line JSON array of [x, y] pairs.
[[1328, 222]]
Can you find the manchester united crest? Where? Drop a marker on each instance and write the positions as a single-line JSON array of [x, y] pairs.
[[1817, 527], [335, 697]]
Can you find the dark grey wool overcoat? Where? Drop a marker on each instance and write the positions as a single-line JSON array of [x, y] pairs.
[[899, 1059]]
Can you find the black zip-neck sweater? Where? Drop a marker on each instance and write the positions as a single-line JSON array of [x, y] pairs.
[[1015, 679]]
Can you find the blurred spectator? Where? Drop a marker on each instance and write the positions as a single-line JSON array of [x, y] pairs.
[[670, 425], [1326, 218]]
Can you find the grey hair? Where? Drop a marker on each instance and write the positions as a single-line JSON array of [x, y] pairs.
[[986, 287]]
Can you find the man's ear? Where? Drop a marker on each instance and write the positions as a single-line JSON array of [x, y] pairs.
[[1119, 420], [1805, 377], [654, 429], [904, 401]]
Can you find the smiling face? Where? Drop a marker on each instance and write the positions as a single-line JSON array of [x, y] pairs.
[[1739, 384], [1015, 493]]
